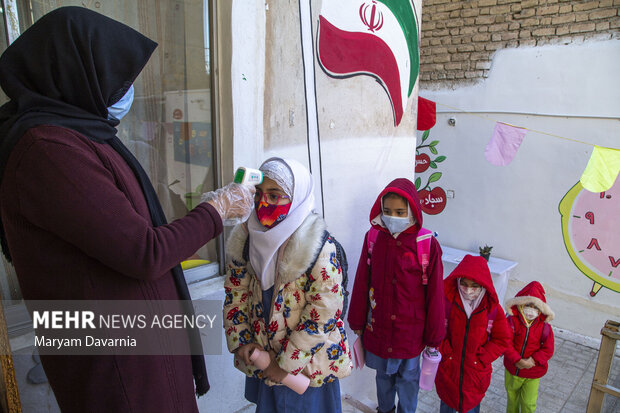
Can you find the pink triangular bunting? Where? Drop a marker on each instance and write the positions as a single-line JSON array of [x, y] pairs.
[[504, 144]]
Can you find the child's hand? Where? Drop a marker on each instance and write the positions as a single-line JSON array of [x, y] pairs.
[[530, 362], [525, 363], [358, 332], [245, 350], [273, 372]]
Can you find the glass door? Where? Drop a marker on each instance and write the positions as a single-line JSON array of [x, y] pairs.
[[169, 127]]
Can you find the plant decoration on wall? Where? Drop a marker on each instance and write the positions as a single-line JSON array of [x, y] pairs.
[[591, 236], [432, 200], [378, 38]]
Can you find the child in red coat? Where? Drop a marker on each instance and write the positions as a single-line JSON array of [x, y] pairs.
[[397, 310], [476, 335], [532, 347]]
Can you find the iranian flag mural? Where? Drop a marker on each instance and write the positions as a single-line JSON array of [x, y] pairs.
[[378, 38]]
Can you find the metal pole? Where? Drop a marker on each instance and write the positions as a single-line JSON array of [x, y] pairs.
[[215, 117], [11, 20]]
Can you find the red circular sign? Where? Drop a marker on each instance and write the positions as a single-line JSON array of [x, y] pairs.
[[432, 202], [422, 162]]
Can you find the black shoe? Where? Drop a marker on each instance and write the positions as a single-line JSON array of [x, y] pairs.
[[392, 410]]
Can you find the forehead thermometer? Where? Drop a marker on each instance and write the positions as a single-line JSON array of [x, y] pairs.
[[248, 176]]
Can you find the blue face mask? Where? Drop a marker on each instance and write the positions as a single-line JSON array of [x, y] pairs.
[[120, 108], [395, 224]]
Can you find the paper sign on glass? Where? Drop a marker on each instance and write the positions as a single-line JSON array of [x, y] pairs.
[[504, 144]]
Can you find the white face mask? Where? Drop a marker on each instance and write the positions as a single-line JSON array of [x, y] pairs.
[[470, 293], [395, 224], [121, 108], [530, 313]]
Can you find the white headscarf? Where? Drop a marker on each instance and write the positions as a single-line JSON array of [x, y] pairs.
[[264, 242]]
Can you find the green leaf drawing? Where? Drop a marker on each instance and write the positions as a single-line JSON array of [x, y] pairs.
[[440, 159], [425, 135], [433, 165], [433, 150], [434, 177], [418, 182], [433, 143]]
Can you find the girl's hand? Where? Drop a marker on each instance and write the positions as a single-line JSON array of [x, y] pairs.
[[245, 350], [530, 362], [525, 363], [273, 372], [358, 332]]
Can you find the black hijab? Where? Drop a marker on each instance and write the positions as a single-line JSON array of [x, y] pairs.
[[66, 70]]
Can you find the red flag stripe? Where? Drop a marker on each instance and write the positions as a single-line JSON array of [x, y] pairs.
[[353, 53]]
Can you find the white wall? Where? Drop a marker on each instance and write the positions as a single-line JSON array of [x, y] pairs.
[[568, 90], [361, 149], [355, 170], [565, 90], [248, 81]]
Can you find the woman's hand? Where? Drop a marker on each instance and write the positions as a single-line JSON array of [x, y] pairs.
[[232, 202], [273, 372], [245, 351]]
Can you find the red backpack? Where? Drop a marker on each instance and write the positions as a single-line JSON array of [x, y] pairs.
[[423, 243]]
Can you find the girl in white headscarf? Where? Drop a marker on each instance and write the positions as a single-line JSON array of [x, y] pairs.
[[284, 294]]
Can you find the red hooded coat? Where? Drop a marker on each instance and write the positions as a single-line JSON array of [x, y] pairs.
[[528, 341], [398, 314], [464, 373]]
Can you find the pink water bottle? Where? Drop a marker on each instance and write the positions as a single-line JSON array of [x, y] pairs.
[[430, 361], [298, 383]]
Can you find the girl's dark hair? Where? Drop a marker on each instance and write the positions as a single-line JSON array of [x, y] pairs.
[[394, 195]]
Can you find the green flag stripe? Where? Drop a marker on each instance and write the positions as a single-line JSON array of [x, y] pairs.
[[403, 11]]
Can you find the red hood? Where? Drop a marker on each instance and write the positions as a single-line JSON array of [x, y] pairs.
[[405, 188], [533, 293], [476, 269]]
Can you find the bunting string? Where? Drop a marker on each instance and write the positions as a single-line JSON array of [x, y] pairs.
[[601, 171], [522, 127]]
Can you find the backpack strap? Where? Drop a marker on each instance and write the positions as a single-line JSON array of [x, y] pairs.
[[423, 242], [318, 252], [545, 332], [372, 240], [491, 320], [511, 322], [447, 308], [341, 256]]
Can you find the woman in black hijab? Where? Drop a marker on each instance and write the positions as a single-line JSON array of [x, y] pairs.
[[80, 218]]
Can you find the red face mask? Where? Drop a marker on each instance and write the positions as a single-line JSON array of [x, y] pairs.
[[271, 215]]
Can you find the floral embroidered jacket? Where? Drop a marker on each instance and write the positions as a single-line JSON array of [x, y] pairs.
[[305, 328]]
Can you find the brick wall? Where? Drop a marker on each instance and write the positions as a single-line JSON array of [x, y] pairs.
[[460, 37]]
